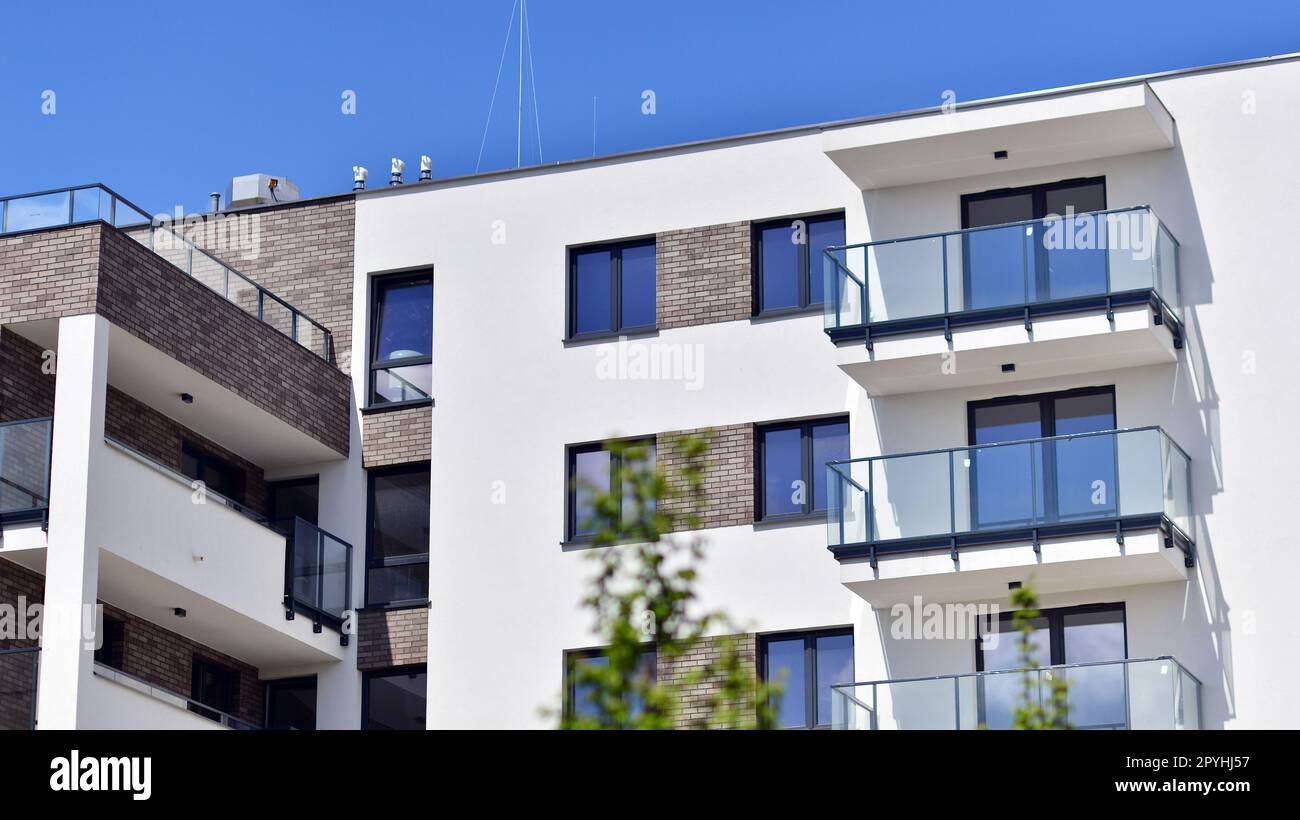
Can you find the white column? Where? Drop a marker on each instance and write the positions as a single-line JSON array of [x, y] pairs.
[[343, 513], [72, 557]]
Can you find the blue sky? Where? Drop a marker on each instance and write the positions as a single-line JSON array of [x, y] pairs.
[[166, 102]]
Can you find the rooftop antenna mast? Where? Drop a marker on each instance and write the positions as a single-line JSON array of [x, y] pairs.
[[525, 41]]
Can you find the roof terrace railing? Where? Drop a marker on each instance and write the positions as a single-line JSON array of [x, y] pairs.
[[87, 204]]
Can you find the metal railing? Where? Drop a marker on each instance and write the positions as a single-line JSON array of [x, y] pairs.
[[318, 576], [19, 670], [1051, 265], [87, 204], [25, 469], [169, 697], [1136, 693], [1086, 482]]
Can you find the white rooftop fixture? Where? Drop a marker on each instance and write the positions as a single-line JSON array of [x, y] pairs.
[[396, 177], [359, 174], [259, 189]]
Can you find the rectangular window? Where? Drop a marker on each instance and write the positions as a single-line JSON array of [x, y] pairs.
[[397, 557], [112, 650], [217, 474], [1088, 634], [592, 468], [296, 498], [806, 665], [215, 686], [788, 261], [1003, 267], [1056, 480], [394, 698], [578, 696], [401, 339], [611, 289], [791, 465], [291, 703]]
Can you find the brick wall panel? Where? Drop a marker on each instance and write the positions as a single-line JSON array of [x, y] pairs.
[[392, 637], [728, 474], [396, 436], [703, 275]]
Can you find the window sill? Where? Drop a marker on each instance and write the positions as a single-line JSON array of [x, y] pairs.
[[421, 604], [787, 313], [795, 520], [373, 409], [611, 336]]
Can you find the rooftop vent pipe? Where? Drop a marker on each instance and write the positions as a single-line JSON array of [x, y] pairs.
[[396, 177]]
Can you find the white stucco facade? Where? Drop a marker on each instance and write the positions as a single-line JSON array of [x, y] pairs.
[[511, 394]]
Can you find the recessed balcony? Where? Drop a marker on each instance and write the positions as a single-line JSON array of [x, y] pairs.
[[1146, 693], [1035, 299], [1078, 512], [24, 481]]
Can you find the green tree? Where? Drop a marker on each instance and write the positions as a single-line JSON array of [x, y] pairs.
[[1032, 710], [644, 591]]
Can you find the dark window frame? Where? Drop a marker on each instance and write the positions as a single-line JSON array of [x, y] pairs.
[[615, 249], [1056, 629], [807, 468], [391, 672], [809, 637], [572, 656], [112, 649], [571, 453], [286, 682], [197, 693], [378, 283], [1038, 205], [205, 458], [282, 523], [405, 560], [804, 270], [1047, 429]]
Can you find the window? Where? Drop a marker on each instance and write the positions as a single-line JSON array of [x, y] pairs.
[[791, 463], [291, 703], [578, 697], [807, 665], [990, 280], [112, 650], [611, 289], [217, 474], [401, 339], [397, 559], [593, 468], [287, 500], [213, 685], [394, 698], [788, 261], [1089, 634], [1054, 481]]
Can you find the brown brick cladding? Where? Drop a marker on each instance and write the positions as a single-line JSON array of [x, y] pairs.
[[151, 653], [150, 433], [396, 436], [25, 391], [305, 257], [392, 637], [95, 268], [695, 700], [703, 275], [728, 474], [176, 314]]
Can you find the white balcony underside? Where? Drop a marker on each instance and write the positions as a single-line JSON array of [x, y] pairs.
[[982, 573], [1062, 345], [1069, 127]]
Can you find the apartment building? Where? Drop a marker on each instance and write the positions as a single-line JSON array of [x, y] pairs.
[[1032, 340]]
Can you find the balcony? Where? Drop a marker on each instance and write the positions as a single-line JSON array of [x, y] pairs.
[[1147, 693], [1081, 511], [18, 677], [122, 701], [90, 204], [25, 469], [1050, 297]]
